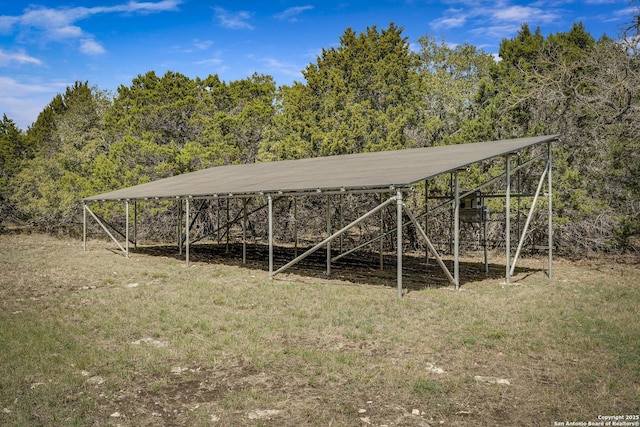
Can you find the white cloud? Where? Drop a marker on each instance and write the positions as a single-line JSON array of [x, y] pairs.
[[9, 85], [496, 31], [209, 61], [496, 19], [22, 102], [91, 47], [202, 44], [276, 66], [7, 23], [521, 14], [451, 22], [57, 24], [148, 6], [233, 20], [19, 57], [291, 14]]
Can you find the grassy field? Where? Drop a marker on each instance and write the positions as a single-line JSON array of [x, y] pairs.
[[95, 339]]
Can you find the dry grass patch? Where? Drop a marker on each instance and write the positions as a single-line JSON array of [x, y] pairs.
[[96, 339]]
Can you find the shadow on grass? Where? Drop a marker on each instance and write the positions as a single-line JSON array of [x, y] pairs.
[[360, 268]]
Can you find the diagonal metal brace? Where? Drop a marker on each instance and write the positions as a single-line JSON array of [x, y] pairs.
[[106, 229], [429, 244]]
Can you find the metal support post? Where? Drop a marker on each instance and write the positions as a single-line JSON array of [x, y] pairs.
[[328, 271], [270, 235], [180, 227], [507, 227], [484, 236], [295, 226], [135, 224], [399, 240], [381, 245], [227, 226], [550, 219], [244, 231], [218, 221], [126, 231], [84, 226], [451, 213], [186, 226], [456, 232], [426, 219], [519, 201], [341, 221]]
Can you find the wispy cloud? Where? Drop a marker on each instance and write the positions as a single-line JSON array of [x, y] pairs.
[[23, 101], [494, 19], [58, 24], [202, 44], [456, 20], [276, 66], [233, 20], [210, 61], [195, 46], [20, 57], [496, 31], [520, 14], [10, 85], [91, 47], [291, 14]]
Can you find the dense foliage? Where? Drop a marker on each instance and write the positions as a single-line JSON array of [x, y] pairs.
[[371, 93]]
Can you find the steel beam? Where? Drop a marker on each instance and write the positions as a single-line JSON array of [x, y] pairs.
[[227, 226], [84, 226], [126, 231], [135, 224], [295, 227], [270, 199], [179, 227], [550, 219], [244, 231], [399, 241], [456, 231], [187, 230], [426, 218], [484, 236], [328, 217], [380, 237], [507, 227]]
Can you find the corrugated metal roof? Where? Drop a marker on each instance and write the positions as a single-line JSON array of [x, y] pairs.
[[363, 171]]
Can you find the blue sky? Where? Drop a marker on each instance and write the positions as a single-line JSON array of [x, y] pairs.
[[48, 45]]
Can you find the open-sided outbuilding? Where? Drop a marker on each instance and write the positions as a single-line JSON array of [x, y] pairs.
[[389, 172]]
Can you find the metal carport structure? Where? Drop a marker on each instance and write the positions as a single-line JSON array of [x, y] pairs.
[[374, 172]]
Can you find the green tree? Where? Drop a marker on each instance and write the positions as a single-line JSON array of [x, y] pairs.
[[586, 90], [161, 108], [358, 97], [13, 152], [450, 80], [65, 139], [234, 118]]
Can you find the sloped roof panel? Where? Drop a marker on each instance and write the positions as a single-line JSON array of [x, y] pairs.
[[377, 170]]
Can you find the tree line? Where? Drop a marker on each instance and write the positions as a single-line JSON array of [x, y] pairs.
[[371, 93]]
